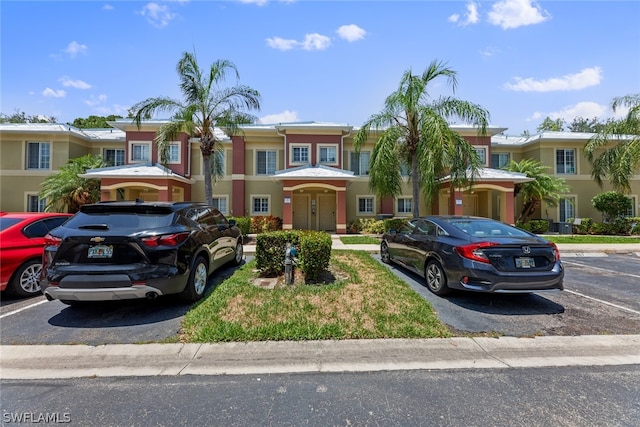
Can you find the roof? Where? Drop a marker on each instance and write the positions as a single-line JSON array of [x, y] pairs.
[[106, 134], [489, 174], [313, 172], [139, 170]]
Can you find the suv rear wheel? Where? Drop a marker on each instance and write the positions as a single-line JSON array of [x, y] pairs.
[[197, 282]]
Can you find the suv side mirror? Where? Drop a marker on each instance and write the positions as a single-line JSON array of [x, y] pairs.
[[232, 222]]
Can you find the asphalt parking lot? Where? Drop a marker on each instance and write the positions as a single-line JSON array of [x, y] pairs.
[[601, 296]]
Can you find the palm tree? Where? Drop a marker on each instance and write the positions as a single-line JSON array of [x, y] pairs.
[[544, 187], [66, 190], [205, 106], [620, 162], [415, 133]]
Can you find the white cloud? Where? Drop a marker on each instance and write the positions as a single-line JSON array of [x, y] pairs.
[[585, 110], [284, 117], [94, 101], [157, 15], [471, 16], [585, 78], [517, 13], [281, 44], [74, 48], [256, 2], [77, 84], [490, 51], [312, 41], [107, 7], [351, 33], [51, 93]]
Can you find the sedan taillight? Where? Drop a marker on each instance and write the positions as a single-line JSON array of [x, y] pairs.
[[165, 240], [50, 240], [556, 251], [475, 251]]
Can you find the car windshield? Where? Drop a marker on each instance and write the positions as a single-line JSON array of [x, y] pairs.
[[481, 228], [8, 222]]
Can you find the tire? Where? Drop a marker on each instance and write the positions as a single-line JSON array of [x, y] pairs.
[[385, 256], [435, 278], [197, 282], [24, 282], [239, 254]]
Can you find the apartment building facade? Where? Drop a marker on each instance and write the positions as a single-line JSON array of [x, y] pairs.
[[306, 173]]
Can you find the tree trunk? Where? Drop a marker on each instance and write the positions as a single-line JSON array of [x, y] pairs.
[[415, 184], [208, 186]]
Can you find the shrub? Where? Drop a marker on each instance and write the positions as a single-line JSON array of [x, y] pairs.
[[612, 204], [244, 224], [635, 225], [264, 224], [353, 227], [372, 226], [393, 223], [584, 227], [526, 226], [271, 248], [315, 253], [539, 226]]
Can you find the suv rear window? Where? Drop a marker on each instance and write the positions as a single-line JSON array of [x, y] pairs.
[[131, 217]]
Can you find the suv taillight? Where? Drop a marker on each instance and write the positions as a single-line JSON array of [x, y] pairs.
[[475, 251], [165, 240], [50, 240]]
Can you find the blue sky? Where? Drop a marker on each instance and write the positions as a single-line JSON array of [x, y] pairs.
[[331, 61]]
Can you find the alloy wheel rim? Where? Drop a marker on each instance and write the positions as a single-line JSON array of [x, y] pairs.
[[29, 278], [239, 253], [434, 277], [200, 279]]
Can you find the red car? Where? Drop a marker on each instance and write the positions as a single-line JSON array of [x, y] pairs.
[[21, 244]]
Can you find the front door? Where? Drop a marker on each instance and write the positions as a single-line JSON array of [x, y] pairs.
[[300, 212], [326, 212]]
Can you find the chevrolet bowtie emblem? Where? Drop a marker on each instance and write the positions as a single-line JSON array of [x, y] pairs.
[[97, 239]]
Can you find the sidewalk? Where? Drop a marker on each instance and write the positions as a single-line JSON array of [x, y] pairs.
[[274, 357]]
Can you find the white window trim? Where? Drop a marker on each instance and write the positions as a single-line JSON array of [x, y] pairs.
[[226, 198], [335, 147], [499, 153], [486, 153], [124, 154], [575, 205], [130, 151], [365, 196], [26, 155], [26, 200], [397, 212], [634, 204], [292, 146], [575, 161], [252, 197], [351, 166], [175, 162], [255, 156]]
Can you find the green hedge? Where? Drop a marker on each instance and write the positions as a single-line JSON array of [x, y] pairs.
[[315, 253], [536, 226], [244, 224]]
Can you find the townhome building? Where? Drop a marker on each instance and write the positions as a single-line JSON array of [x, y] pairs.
[[306, 173]]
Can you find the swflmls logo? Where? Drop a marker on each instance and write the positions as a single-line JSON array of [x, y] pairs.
[[36, 417]]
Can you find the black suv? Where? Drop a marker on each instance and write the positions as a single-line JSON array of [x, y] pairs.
[[134, 249]]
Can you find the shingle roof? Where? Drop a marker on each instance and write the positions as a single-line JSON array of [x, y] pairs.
[[313, 172]]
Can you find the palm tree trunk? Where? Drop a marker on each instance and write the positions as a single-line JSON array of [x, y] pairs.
[[415, 182], [208, 186]]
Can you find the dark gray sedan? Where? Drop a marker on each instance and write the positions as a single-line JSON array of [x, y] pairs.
[[474, 254]]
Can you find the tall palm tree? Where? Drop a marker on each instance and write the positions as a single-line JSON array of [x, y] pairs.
[[415, 132], [620, 162], [205, 106], [544, 187], [66, 190]]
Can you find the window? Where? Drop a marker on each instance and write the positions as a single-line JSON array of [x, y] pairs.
[[140, 152], [566, 161], [35, 204], [566, 208], [220, 203], [328, 155], [500, 160], [404, 205], [365, 205], [360, 162], [38, 155], [482, 154], [266, 162], [114, 157], [632, 210], [300, 155], [217, 163], [173, 153], [260, 205]]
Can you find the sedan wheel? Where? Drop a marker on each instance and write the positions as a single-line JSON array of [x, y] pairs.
[[436, 279], [384, 253], [197, 281], [239, 254], [25, 281]]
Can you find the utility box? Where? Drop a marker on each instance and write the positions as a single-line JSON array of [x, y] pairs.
[[565, 228]]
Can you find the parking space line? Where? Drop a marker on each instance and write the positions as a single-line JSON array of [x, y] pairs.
[[618, 273], [21, 309], [621, 307]]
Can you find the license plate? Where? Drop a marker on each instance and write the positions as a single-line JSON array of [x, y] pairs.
[[525, 262], [100, 251]]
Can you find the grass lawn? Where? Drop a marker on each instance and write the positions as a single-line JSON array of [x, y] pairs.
[[360, 240], [360, 298], [579, 238]]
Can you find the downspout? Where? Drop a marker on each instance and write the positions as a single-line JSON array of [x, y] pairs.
[[284, 135]]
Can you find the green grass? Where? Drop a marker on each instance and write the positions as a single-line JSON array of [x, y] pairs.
[[364, 300], [579, 238], [359, 240]]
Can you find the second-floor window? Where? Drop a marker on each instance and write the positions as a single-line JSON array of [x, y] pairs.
[[113, 157], [482, 154], [499, 160], [265, 162], [38, 155], [328, 155], [174, 153], [359, 162], [566, 161], [140, 152], [300, 155]]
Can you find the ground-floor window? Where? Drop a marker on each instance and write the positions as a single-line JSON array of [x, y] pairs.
[[404, 205], [221, 204], [365, 205], [632, 210], [260, 205], [567, 208], [35, 203]]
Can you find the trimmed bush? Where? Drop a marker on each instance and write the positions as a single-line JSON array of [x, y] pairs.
[[265, 224], [372, 226], [244, 224], [526, 226], [393, 223], [539, 226], [315, 253], [271, 248]]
